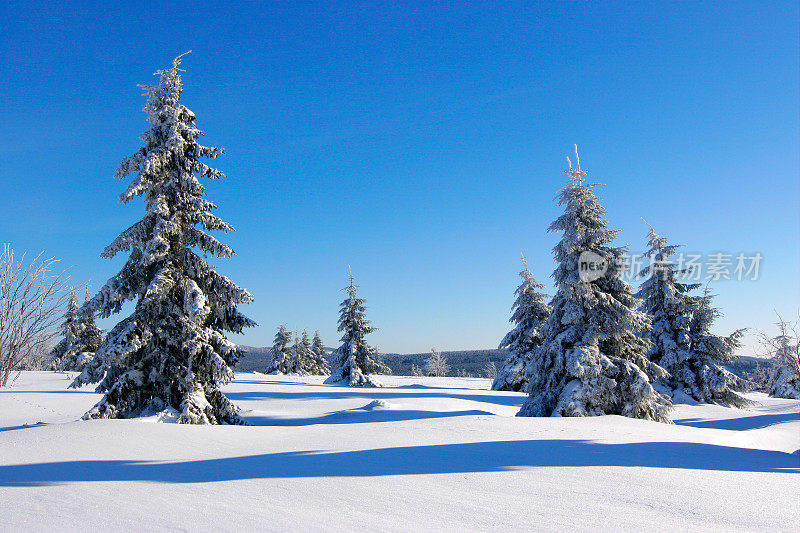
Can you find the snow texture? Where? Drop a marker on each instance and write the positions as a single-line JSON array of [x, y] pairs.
[[439, 454]]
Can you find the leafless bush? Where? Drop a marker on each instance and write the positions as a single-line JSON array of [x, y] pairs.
[[784, 348], [490, 370], [31, 298], [436, 364]]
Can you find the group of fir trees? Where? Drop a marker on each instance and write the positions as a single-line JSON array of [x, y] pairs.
[[599, 349], [171, 353], [594, 349], [355, 361], [304, 357]]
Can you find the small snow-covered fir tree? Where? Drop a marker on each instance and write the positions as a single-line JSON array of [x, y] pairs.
[[436, 364], [171, 352], [529, 312], [681, 342], [69, 330], [592, 360], [82, 338], [355, 360], [318, 364], [281, 353], [784, 382], [301, 351]]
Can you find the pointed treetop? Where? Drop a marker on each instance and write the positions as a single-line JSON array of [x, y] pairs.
[[575, 174], [177, 60], [524, 260], [350, 275]]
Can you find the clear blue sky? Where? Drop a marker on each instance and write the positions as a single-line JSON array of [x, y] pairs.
[[420, 143]]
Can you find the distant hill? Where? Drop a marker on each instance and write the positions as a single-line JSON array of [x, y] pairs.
[[256, 359], [472, 362], [462, 361]]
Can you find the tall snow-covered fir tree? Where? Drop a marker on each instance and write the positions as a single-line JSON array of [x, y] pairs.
[[681, 342], [529, 312], [592, 360], [281, 353], [171, 352], [355, 359], [82, 338]]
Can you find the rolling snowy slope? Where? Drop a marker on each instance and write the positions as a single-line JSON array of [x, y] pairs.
[[420, 453]]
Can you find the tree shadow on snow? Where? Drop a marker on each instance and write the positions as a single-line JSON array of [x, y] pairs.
[[375, 393], [357, 416], [741, 424], [410, 460], [23, 426]]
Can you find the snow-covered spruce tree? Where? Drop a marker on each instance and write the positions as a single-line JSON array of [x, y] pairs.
[[171, 353], [785, 351], [63, 351], [91, 336], [355, 359], [712, 381], [592, 360], [318, 365], [82, 338], [680, 341], [529, 312], [281, 353], [304, 356]]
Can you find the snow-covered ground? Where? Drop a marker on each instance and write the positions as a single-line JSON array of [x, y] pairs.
[[419, 454]]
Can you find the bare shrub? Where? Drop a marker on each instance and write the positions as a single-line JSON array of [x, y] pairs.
[[31, 298]]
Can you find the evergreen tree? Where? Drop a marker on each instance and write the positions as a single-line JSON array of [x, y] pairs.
[[528, 314], [82, 338], [305, 357], [318, 365], [281, 353], [592, 360], [355, 359], [64, 350], [681, 342], [91, 335], [171, 353]]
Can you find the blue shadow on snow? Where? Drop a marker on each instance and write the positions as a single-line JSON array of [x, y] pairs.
[[741, 424], [357, 416], [410, 460]]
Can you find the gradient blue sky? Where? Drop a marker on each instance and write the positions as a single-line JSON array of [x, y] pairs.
[[422, 143]]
